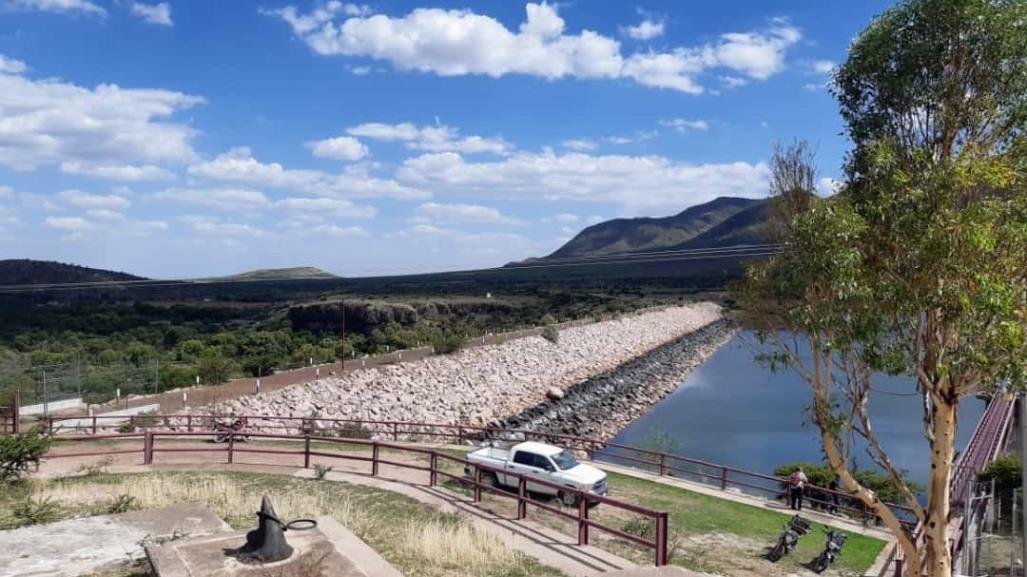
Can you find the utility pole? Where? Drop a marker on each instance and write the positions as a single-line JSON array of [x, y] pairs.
[[156, 375], [1023, 460]]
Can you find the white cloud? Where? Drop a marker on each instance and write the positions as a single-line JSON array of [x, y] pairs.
[[6, 192], [645, 30], [11, 66], [822, 66], [80, 199], [153, 13], [440, 138], [59, 6], [462, 42], [828, 186], [641, 184], [344, 148], [48, 122], [580, 144], [322, 207], [69, 224], [233, 199], [594, 219], [568, 218], [215, 227], [469, 213], [238, 165], [105, 214], [733, 81], [684, 125], [341, 231], [124, 172]]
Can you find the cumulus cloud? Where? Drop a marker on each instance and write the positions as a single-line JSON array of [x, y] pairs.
[[822, 66], [238, 165], [647, 29], [340, 231], [439, 138], [322, 207], [580, 144], [80, 199], [48, 122], [62, 6], [344, 148], [69, 224], [462, 42], [11, 66], [124, 172], [153, 13], [208, 225], [462, 213], [232, 199], [567, 218], [684, 125], [641, 184]]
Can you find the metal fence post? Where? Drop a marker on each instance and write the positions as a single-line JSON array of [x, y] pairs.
[[306, 451], [522, 499], [477, 484], [374, 459], [582, 519], [395, 431], [433, 466], [148, 448], [661, 539], [189, 423], [231, 448], [663, 464], [94, 424], [723, 478]]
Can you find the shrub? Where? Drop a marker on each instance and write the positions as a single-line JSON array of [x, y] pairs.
[[551, 334], [18, 452], [36, 512], [547, 319], [821, 475], [122, 504], [1006, 471], [450, 343], [321, 471]]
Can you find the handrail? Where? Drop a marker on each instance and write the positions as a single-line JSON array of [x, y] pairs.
[[665, 464], [584, 498]]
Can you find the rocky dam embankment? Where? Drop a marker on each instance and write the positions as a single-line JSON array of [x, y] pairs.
[[496, 383]]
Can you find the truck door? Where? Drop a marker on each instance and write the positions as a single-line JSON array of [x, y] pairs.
[[534, 467]]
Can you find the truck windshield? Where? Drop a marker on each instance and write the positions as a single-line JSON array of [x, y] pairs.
[[564, 460]]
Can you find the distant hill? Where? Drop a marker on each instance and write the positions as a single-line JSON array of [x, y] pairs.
[[724, 221], [299, 272], [26, 271]]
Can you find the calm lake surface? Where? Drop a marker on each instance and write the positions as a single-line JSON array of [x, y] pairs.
[[734, 411]]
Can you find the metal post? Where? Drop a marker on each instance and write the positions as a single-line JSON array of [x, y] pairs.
[[582, 519], [306, 451], [723, 478], [94, 424], [661, 539], [46, 398], [231, 448], [522, 499], [395, 431], [433, 466], [148, 448], [663, 464], [156, 376], [374, 460], [1023, 459], [477, 484], [189, 423]]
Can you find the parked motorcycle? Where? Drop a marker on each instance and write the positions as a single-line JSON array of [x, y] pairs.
[[833, 548], [796, 528], [225, 431]]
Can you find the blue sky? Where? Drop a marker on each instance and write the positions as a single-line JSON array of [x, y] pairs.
[[192, 138]]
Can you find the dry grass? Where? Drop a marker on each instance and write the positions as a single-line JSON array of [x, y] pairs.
[[416, 538]]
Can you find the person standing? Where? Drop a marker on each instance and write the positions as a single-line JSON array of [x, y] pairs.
[[796, 483]]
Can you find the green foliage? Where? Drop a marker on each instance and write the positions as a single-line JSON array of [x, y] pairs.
[[321, 471], [551, 334], [36, 511], [123, 504], [446, 344], [821, 475], [1007, 473], [18, 452], [215, 369]]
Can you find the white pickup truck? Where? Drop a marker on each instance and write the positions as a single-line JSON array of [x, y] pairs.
[[539, 461]]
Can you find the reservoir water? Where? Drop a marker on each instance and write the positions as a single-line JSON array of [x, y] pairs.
[[735, 411]]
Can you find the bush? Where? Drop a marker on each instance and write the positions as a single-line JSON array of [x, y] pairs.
[[821, 475], [450, 343], [18, 452], [551, 334], [547, 319], [36, 512], [1006, 471]]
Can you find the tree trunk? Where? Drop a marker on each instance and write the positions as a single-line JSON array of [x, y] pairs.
[[936, 529]]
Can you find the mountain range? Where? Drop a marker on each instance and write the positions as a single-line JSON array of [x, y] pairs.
[[724, 221]]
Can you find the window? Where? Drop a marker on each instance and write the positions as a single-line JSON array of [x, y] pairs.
[[564, 460], [524, 458]]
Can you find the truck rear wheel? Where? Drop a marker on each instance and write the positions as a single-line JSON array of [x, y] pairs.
[[569, 499], [490, 479]]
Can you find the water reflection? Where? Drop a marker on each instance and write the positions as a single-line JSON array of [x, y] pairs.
[[734, 411]]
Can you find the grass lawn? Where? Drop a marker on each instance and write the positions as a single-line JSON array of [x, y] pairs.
[[416, 538], [694, 514]]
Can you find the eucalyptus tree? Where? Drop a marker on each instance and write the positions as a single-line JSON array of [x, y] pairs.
[[918, 266]]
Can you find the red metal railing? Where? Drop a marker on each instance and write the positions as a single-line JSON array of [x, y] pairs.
[[662, 463], [522, 496]]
